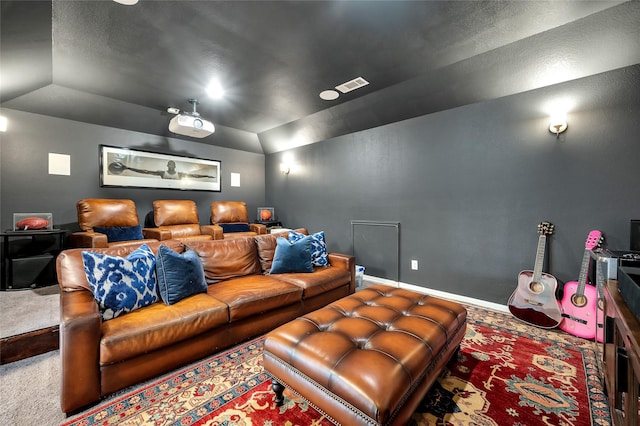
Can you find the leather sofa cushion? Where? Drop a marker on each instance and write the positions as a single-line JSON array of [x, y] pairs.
[[159, 325], [323, 279], [266, 245], [185, 230], [252, 295], [224, 259]]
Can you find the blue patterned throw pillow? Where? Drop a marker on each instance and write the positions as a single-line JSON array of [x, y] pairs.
[[292, 256], [122, 284], [319, 255]]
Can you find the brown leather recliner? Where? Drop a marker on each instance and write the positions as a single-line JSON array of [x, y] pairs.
[[178, 220], [104, 222], [233, 218]]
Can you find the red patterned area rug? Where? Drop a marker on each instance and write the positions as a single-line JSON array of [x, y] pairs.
[[506, 374]]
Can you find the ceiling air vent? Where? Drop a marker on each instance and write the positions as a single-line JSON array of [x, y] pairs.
[[354, 84]]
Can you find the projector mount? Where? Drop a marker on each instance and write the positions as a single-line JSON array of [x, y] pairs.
[[193, 113]]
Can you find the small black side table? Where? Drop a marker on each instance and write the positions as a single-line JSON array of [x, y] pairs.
[[269, 223], [32, 264]]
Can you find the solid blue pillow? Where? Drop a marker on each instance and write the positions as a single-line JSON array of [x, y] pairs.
[[179, 275], [121, 284], [292, 256], [120, 233], [235, 227], [319, 255]]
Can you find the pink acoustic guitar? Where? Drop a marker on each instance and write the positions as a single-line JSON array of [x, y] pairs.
[[580, 300], [534, 300]]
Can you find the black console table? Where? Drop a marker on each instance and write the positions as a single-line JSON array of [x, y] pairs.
[[270, 224], [28, 258]]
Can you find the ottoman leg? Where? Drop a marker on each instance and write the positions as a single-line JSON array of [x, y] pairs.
[[278, 389]]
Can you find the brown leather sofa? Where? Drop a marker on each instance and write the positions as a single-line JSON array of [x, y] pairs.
[[242, 301], [178, 220], [103, 213], [232, 215]]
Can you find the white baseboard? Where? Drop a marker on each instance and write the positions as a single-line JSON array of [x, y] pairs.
[[438, 293]]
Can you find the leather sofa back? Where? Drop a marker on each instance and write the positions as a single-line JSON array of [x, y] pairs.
[[70, 267], [225, 259], [106, 212]]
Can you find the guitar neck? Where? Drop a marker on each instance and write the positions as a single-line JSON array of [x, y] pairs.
[[537, 269], [584, 270]]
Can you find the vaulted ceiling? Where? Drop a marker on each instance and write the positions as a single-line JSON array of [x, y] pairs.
[[121, 66]]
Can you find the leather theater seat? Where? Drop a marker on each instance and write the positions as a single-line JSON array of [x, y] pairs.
[[233, 218], [178, 220], [107, 222]]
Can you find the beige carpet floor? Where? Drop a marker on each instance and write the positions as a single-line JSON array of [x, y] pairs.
[[28, 310]]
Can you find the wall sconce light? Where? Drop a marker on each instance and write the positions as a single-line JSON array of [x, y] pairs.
[[3, 123], [558, 124], [284, 168]]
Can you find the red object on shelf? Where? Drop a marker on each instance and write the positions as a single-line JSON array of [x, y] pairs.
[[32, 223], [265, 214]]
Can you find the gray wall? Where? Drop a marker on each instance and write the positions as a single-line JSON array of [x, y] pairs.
[[26, 185], [469, 185]]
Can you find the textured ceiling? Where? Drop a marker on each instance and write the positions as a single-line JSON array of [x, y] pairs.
[[122, 66]]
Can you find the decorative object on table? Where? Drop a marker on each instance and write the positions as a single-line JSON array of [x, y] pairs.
[[266, 214], [126, 167], [32, 221], [534, 299], [506, 372]]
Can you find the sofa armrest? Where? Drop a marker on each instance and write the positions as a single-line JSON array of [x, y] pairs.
[[347, 262], [258, 228], [88, 239], [159, 234], [80, 332], [215, 231]]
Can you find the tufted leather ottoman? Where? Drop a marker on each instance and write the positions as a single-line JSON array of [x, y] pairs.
[[369, 358]]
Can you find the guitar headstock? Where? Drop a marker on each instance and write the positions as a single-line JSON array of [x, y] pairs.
[[593, 240], [545, 228]]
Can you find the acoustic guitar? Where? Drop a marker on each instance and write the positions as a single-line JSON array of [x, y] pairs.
[[534, 300], [580, 301]]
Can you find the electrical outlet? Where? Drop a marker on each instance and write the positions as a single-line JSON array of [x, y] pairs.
[[414, 264]]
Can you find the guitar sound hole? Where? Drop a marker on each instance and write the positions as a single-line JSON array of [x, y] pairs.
[[579, 301], [536, 287]]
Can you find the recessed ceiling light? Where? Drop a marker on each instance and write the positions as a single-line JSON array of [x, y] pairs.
[[329, 95], [126, 2]]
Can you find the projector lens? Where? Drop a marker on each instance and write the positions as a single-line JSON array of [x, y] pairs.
[[197, 123]]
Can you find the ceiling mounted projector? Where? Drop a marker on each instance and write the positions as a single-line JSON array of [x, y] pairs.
[[191, 124]]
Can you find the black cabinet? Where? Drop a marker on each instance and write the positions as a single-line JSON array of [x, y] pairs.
[[29, 258]]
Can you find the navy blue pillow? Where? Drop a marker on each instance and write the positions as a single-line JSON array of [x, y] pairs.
[[179, 275], [120, 233], [235, 227], [292, 256]]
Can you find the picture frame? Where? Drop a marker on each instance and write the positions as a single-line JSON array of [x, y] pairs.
[[126, 167]]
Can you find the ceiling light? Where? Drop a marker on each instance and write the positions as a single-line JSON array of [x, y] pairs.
[[215, 90], [126, 2], [329, 95]]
